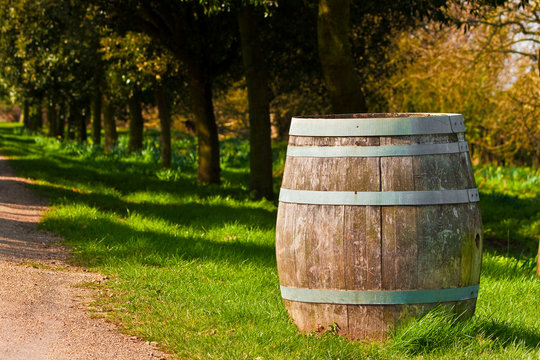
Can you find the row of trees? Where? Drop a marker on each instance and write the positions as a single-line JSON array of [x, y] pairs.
[[98, 61]]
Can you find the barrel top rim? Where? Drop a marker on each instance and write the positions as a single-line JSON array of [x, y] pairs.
[[374, 116], [377, 124]]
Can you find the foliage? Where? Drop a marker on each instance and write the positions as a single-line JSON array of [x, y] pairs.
[[135, 64], [46, 48], [231, 108], [443, 70], [59, 51], [519, 20]]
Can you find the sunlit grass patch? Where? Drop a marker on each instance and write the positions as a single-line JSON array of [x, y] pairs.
[[513, 181], [503, 324]]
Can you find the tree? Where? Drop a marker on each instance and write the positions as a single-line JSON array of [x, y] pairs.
[[204, 40], [258, 101], [519, 20], [164, 109], [20, 55], [46, 57], [342, 81], [127, 78], [202, 44], [97, 105], [109, 124], [137, 67], [136, 122], [370, 27]]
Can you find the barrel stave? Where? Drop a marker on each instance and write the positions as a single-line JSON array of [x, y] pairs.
[[399, 263], [439, 244], [285, 251]]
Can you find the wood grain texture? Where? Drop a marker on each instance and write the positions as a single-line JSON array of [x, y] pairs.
[[285, 250], [376, 247]]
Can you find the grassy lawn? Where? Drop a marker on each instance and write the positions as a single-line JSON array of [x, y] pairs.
[[193, 267]]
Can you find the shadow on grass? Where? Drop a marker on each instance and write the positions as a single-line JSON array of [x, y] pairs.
[[190, 213], [439, 329], [123, 177], [105, 240], [506, 267], [17, 149], [109, 179], [505, 214], [506, 334]]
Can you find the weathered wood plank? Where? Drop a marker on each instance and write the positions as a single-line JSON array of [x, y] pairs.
[[471, 255], [478, 235], [406, 247], [439, 248], [466, 166], [302, 313], [399, 243], [356, 265], [355, 245], [389, 249], [363, 249], [373, 248], [285, 250], [301, 242], [438, 227], [328, 271], [324, 249], [374, 325]]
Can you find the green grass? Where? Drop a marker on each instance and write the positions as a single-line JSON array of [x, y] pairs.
[[510, 208], [193, 267]]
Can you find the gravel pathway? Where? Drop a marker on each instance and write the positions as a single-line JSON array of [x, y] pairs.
[[42, 312]]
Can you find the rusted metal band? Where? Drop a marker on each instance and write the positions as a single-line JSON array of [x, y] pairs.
[[387, 198], [374, 297], [384, 126], [377, 151]]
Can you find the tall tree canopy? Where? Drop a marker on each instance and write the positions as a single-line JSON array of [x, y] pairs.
[[202, 42], [337, 55]]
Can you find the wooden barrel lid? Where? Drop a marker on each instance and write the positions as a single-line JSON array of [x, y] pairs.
[[377, 125]]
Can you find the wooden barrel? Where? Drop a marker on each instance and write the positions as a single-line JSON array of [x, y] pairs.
[[378, 221]]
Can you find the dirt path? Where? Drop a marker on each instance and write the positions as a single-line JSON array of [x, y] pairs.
[[41, 311]]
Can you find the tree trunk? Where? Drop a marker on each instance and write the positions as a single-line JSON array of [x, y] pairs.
[[52, 119], [61, 123], [71, 121], [136, 123], [206, 128], [36, 121], [26, 115], [109, 125], [260, 160], [75, 117], [96, 118], [165, 121], [84, 112], [77, 122], [342, 81]]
